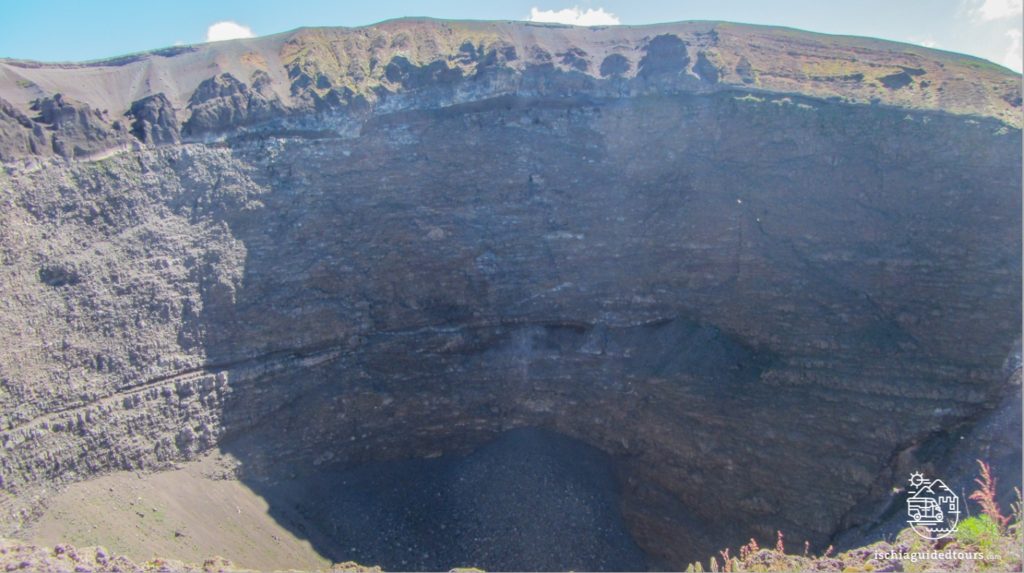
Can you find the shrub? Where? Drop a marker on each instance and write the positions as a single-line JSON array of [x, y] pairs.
[[981, 532]]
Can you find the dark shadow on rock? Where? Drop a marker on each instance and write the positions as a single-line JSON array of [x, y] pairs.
[[531, 500], [704, 310]]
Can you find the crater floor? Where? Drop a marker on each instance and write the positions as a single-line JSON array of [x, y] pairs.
[[530, 500], [192, 513]]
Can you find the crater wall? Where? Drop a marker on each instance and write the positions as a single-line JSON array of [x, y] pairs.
[[761, 305]]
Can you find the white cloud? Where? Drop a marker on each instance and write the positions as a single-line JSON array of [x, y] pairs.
[[998, 9], [926, 42], [227, 30], [1014, 57], [575, 16]]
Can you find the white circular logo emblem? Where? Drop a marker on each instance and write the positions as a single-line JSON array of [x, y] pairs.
[[933, 510]]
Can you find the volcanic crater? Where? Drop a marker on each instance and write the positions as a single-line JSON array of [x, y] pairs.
[[507, 295]]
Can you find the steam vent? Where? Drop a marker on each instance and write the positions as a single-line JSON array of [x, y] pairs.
[[431, 294]]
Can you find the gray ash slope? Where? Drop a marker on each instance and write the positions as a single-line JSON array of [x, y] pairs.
[[767, 272]]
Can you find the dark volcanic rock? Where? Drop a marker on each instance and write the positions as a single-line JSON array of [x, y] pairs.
[[897, 81], [77, 129], [154, 120], [222, 103], [19, 135], [614, 65], [705, 69], [745, 71], [665, 54], [576, 59], [400, 71]]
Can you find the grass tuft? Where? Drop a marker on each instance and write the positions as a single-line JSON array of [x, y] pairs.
[[985, 495]]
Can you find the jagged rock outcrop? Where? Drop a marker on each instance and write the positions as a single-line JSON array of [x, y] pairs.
[[755, 270], [704, 68], [154, 120], [222, 103], [78, 130], [19, 135]]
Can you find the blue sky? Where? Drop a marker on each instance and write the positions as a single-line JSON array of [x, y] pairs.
[[61, 30]]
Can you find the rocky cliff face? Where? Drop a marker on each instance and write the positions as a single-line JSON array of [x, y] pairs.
[[765, 271]]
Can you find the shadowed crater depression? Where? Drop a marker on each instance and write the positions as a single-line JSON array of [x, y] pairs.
[[531, 499]]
